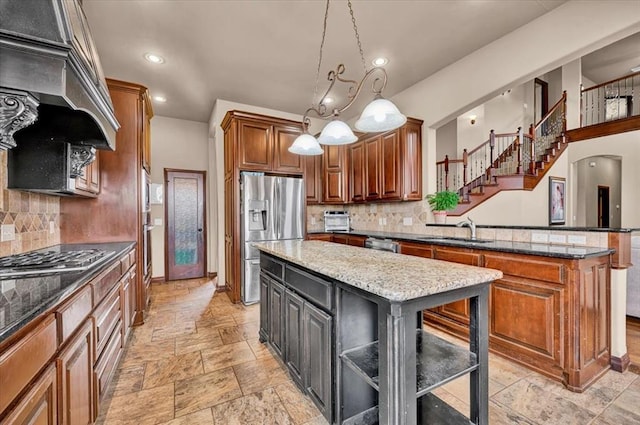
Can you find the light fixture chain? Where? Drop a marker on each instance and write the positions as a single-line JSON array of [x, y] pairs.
[[324, 31], [355, 29]]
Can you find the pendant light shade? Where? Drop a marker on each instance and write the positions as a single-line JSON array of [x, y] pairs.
[[380, 115], [337, 133], [306, 144]]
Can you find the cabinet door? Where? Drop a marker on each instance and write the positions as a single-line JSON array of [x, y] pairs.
[[255, 146], [89, 180], [317, 358], [283, 160], [356, 166], [411, 135], [276, 317], [128, 305], [75, 377], [264, 308], [390, 171], [334, 176], [458, 310], [372, 169], [355, 240], [146, 133], [38, 406], [313, 179], [338, 238], [294, 336]]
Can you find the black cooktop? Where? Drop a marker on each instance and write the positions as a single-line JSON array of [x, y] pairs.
[[44, 262]]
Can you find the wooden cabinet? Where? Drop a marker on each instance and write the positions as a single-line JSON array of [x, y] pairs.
[[294, 324], [334, 175], [254, 142], [116, 215], [389, 166], [354, 240], [549, 314], [89, 181], [147, 114], [356, 167], [317, 334], [276, 317], [313, 178], [128, 304], [327, 237], [39, 406], [75, 376]]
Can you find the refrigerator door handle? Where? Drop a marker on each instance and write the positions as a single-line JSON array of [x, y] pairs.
[[276, 207]]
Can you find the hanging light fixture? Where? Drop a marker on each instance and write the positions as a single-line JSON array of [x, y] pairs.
[[379, 115]]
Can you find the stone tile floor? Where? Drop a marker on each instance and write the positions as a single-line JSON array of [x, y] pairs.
[[197, 360]]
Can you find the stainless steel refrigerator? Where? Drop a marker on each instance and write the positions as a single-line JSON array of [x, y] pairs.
[[272, 208]]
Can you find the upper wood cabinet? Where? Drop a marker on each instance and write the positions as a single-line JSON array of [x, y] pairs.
[[262, 143], [334, 175], [381, 167], [89, 181], [313, 178], [147, 114]]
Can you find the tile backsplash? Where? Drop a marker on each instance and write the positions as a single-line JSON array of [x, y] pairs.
[[370, 217], [31, 213]]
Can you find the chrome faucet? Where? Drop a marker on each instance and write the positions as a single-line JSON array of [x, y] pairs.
[[471, 226]]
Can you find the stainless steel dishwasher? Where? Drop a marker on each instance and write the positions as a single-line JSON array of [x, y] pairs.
[[381, 244]]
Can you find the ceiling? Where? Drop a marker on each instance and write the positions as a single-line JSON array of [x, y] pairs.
[[265, 53]]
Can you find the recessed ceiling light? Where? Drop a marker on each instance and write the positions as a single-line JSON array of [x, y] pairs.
[[380, 61], [635, 69], [160, 99], [153, 58]]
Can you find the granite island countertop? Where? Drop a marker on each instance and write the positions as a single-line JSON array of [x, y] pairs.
[[541, 249], [25, 298], [395, 277]]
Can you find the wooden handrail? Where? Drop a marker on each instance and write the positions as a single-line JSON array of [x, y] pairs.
[[611, 82]]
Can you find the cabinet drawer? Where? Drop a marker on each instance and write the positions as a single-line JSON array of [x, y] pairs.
[[106, 364], [23, 360], [546, 271], [73, 312], [39, 404], [127, 261], [312, 287], [107, 317], [103, 284], [273, 267]]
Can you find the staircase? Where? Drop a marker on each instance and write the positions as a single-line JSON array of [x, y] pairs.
[[510, 161]]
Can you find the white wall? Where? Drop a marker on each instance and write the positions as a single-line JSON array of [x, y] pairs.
[[178, 144], [447, 140], [627, 147], [593, 172]]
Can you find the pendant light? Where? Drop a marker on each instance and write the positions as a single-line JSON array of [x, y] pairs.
[[379, 115]]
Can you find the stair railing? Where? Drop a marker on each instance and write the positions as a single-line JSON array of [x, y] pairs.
[[613, 100], [546, 132]]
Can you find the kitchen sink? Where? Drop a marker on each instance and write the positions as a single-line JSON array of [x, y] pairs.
[[453, 239]]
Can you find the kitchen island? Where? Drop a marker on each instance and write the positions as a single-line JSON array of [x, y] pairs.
[[347, 322]]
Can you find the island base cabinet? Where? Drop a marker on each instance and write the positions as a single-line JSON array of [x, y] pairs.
[[75, 376], [40, 405], [276, 317], [264, 312], [317, 357], [294, 316]]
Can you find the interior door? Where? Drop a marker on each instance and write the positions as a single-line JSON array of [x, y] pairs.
[[186, 224], [603, 206]]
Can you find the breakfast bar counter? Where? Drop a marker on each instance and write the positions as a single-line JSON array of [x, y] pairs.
[[347, 322]]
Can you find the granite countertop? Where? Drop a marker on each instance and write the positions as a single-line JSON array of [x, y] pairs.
[[392, 276], [24, 298], [542, 249]]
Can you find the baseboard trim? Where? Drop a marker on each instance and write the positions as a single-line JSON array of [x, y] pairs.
[[212, 275], [158, 279], [620, 364]]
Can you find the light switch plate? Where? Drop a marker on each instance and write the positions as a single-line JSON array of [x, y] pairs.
[[52, 227], [407, 221], [7, 232], [557, 238], [577, 240], [539, 238]]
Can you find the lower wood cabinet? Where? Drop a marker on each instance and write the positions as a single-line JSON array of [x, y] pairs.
[[40, 404], [75, 376]]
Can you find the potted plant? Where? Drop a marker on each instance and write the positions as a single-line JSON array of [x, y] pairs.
[[441, 202]]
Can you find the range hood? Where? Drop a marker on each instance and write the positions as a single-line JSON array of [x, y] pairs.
[[52, 88]]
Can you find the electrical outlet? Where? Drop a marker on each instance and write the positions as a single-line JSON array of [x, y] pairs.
[[557, 238], [157, 222], [539, 238], [8, 232], [52, 227], [384, 221], [313, 220], [407, 221], [380, 222], [577, 240]]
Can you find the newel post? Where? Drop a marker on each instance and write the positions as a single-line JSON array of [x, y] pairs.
[[492, 144], [465, 160], [519, 140], [446, 172], [532, 149]]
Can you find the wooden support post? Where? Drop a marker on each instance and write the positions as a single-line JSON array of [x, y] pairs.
[[446, 172], [519, 140]]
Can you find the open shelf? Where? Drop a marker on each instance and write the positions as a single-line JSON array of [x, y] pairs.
[[431, 410], [437, 362]]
